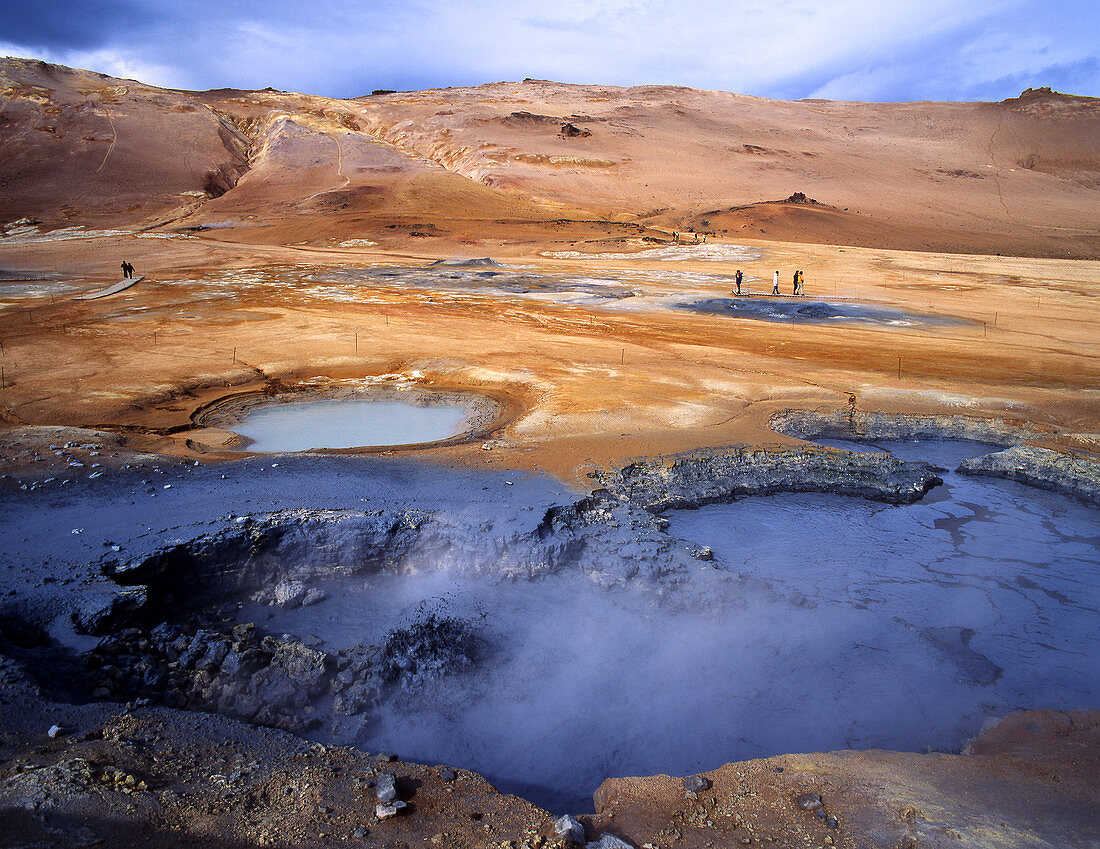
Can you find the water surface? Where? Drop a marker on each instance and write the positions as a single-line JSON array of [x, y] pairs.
[[347, 423]]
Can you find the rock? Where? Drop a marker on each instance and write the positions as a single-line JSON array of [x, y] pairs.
[[447, 774], [54, 731], [1041, 467], [385, 787], [313, 596], [701, 552], [360, 833], [832, 822], [566, 827], [609, 841], [711, 475], [215, 654], [97, 614], [196, 648], [809, 801], [385, 812], [231, 664], [289, 594], [849, 423], [697, 783]]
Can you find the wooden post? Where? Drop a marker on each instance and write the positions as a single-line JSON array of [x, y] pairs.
[[899, 368], [623, 358], [2, 377], [234, 356]]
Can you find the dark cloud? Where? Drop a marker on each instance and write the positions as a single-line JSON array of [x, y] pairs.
[[60, 26], [844, 49]]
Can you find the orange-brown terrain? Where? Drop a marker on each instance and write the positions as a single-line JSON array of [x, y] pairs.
[[250, 213]]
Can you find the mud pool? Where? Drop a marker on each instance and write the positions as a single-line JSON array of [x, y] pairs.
[[814, 622], [624, 290], [347, 423], [803, 311]]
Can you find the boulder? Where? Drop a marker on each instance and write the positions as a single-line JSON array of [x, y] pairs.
[[385, 787], [289, 594], [567, 827]]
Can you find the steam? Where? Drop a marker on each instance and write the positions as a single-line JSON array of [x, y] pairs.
[[579, 683]]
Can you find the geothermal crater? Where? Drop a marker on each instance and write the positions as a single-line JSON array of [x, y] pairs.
[[553, 645]]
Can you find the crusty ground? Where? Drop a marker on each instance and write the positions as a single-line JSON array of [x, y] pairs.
[[587, 386], [153, 777]]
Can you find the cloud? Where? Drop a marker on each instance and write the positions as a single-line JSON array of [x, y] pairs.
[[880, 49]]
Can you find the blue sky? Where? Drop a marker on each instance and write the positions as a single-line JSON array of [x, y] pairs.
[[840, 49]]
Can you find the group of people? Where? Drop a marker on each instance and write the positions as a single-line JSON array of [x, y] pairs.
[[799, 281], [127, 270]]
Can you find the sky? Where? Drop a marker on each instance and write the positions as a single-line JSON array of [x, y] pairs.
[[878, 50]]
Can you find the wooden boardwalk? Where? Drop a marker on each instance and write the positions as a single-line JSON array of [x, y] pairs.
[[113, 289], [796, 297]]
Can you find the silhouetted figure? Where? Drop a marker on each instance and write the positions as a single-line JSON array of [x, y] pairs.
[[794, 290], [737, 280], [775, 283], [125, 269]]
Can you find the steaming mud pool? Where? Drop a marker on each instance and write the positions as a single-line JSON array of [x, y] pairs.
[[814, 622]]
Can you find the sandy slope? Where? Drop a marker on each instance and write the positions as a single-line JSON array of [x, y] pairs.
[[660, 152], [1017, 177]]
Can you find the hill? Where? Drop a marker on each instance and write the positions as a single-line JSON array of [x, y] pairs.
[[544, 161]]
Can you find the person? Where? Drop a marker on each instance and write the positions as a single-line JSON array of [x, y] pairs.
[[775, 283], [801, 284], [737, 280], [125, 269], [794, 291]]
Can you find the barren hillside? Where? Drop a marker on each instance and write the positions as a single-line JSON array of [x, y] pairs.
[[538, 158]]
